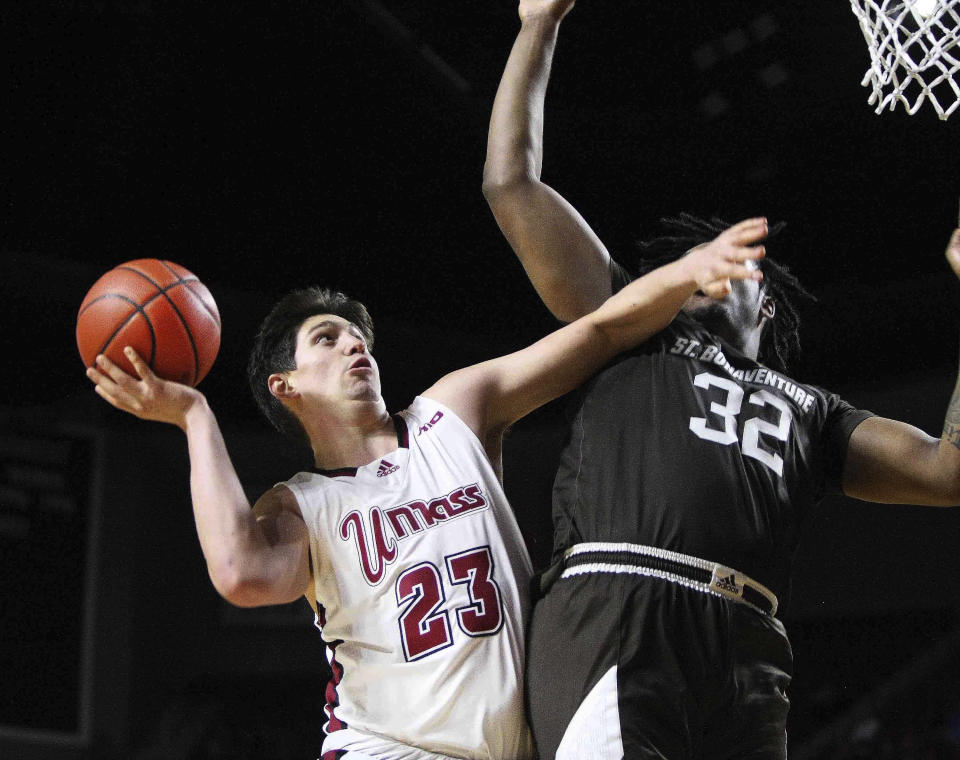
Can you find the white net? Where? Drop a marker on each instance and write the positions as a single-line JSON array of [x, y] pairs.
[[914, 53]]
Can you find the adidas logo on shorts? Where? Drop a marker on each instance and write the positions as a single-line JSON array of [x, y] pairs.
[[729, 583]]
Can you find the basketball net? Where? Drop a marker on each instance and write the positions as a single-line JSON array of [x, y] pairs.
[[914, 53]]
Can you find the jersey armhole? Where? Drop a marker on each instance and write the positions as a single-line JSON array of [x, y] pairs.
[[297, 492], [619, 276], [421, 401]]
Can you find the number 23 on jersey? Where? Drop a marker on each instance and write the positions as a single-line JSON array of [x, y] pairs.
[[421, 592]]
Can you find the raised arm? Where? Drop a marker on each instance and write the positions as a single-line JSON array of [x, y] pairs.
[[565, 260], [254, 556], [492, 395], [895, 463]]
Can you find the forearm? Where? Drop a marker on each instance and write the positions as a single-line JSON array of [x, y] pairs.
[[892, 462], [951, 423], [566, 262], [941, 486], [948, 450], [497, 393], [645, 306], [515, 138], [226, 526]]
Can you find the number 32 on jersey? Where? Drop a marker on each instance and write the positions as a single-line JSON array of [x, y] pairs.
[[722, 428]]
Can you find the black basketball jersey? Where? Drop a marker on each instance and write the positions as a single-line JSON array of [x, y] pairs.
[[686, 444]]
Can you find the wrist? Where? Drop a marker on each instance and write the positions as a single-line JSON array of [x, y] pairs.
[[540, 22], [196, 412], [682, 274]]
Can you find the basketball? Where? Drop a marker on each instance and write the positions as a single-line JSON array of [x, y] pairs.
[[160, 309]]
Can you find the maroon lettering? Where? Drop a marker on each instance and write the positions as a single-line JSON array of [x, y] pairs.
[[424, 625], [460, 502], [403, 521], [377, 539], [441, 508], [429, 511], [373, 559], [433, 421], [476, 495]]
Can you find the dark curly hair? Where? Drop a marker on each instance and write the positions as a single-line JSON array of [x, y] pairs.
[[780, 341], [276, 343]]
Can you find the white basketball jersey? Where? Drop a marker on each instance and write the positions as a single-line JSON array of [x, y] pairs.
[[421, 578]]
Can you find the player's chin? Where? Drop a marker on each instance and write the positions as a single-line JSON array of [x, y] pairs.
[[705, 309], [698, 302], [365, 390]]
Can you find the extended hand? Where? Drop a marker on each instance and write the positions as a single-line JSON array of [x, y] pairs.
[[149, 397], [555, 9], [714, 264]]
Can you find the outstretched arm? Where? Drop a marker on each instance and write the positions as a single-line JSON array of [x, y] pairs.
[[254, 557], [896, 463], [565, 260], [492, 395]]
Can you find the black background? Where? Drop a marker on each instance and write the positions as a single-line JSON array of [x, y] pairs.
[[266, 146]]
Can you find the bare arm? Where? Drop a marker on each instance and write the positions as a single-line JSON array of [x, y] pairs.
[[254, 557], [565, 260], [492, 395], [896, 463]]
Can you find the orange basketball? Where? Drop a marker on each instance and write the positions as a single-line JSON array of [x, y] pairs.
[[159, 308]]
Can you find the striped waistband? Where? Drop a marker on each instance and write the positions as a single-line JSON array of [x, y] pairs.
[[693, 572]]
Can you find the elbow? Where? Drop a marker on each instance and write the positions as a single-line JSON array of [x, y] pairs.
[[239, 588], [953, 493], [500, 182], [255, 583], [948, 477]]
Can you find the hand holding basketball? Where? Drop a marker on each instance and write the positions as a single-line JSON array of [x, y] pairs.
[[160, 309], [144, 395]]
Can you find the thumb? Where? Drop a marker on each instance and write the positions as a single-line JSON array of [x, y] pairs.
[[718, 288]]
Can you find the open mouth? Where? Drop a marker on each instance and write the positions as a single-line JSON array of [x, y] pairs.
[[361, 362]]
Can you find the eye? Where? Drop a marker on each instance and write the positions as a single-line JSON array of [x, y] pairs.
[[323, 338]]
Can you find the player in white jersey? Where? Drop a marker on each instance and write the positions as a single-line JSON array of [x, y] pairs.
[[402, 539], [420, 566]]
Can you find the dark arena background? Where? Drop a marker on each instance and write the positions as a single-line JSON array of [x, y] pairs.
[[268, 145]]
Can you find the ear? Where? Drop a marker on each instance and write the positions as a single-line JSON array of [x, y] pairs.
[[768, 307], [280, 387]]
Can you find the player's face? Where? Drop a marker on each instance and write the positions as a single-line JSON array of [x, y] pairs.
[[739, 311], [333, 362]]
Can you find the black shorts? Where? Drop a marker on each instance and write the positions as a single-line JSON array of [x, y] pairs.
[[639, 667]]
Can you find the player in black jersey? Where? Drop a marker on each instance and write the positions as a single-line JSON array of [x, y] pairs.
[[691, 464]]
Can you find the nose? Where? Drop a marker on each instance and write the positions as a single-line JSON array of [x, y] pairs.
[[355, 345]]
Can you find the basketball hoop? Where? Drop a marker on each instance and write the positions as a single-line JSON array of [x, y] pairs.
[[914, 53]]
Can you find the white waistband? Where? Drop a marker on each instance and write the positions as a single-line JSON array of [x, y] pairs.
[[724, 581]]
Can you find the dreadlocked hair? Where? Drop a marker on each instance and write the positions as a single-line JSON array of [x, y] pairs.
[[780, 341]]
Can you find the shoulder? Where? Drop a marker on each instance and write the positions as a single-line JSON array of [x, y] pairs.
[[462, 393], [429, 409], [280, 498]]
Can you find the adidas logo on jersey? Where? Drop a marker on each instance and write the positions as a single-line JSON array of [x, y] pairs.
[[386, 468]]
